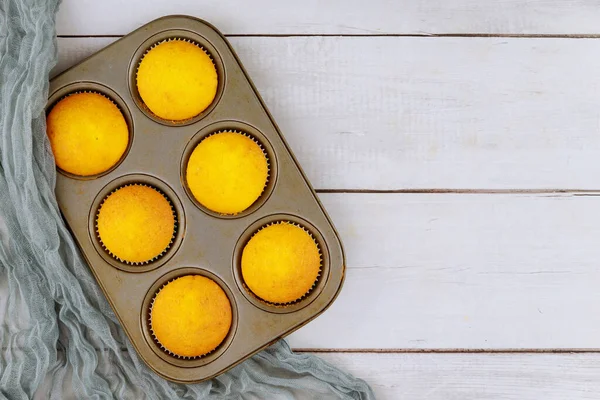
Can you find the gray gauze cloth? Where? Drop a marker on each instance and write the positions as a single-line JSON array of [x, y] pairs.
[[59, 337]]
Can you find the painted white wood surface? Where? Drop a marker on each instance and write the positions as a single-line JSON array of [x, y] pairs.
[[85, 17], [413, 113], [463, 271], [476, 376]]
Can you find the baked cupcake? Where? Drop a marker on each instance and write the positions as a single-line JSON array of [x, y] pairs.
[[227, 172], [177, 80], [190, 316], [281, 263], [136, 224], [88, 133]]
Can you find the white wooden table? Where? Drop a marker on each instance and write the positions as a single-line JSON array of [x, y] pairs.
[[456, 145]]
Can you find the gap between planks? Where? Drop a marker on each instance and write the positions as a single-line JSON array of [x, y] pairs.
[[407, 35], [450, 351], [416, 351], [573, 192]]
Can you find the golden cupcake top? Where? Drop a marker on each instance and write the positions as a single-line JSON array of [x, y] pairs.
[[281, 263], [190, 316], [136, 224], [227, 172], [177, 80], [88, 133]]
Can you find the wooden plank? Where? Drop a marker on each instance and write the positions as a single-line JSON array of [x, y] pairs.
[[463, 271], [414, 113], [452, 376], [475, 376], [88, 17], [447, 271]]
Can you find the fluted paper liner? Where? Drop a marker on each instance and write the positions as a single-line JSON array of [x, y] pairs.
[[159, 344], [88, 91], [122, 114], [154, 259], [262, 148], [175, 122], [299, 300]]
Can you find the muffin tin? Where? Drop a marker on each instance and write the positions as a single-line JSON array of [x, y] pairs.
[[205, 243]]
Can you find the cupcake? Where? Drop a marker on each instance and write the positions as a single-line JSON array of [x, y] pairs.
[[281, 263], [227, 172], [136, 224], [190, 316], [88, 133], [177, 80]]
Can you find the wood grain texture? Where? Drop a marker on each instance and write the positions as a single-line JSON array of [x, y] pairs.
[[414, 113], [475, 376], [463, 271], [85, 17]]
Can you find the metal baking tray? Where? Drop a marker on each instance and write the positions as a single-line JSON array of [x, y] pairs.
[[205, 243]]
